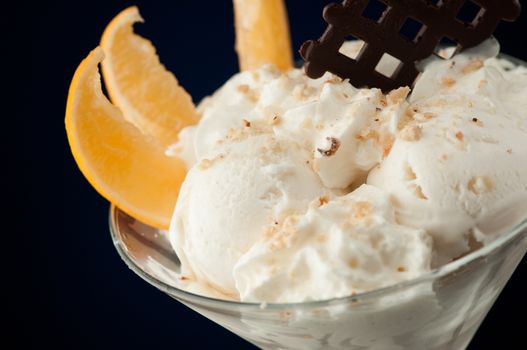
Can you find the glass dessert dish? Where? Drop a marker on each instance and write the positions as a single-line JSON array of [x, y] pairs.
[[439, 310]]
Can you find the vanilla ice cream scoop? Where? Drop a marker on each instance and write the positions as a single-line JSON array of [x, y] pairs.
[[341, 246], [303, 189], [460, 153], [229, 198]]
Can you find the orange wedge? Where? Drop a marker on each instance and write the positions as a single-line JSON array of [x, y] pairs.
[[262, 34], [149, 96], [124, 165]]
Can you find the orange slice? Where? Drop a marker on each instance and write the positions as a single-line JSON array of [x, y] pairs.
[[149, 96], [262, 34], [124, 165]]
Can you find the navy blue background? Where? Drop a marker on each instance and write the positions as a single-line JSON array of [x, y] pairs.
[[74, 291]]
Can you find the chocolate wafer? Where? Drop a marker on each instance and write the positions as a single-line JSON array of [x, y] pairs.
[[439, 19]]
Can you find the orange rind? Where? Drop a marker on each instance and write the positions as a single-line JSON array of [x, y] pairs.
[[149, 96], [126, 166], [262, 34]]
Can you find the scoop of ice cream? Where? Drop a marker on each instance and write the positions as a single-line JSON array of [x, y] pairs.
[[461, 151], [341, 246], [328, 117], [229, 197]]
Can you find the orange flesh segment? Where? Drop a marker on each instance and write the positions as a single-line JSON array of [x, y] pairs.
[[262, 34], [124, 165], [149, 96]]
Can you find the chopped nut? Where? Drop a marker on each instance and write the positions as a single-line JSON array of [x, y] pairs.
[[477, 121], [418, 191], [323, 200], [301, 92], [353, 263], [382, 101], [334, 80], [480, 184], [399, 95], [472, 66], [246, 123], [428, 116], [207, 163], [333, 148], [409, 173], [448, 82], [244, 88], [362, 209], [387, 144], [367, 134], [204, 164], [401, 269], [275, 120], [411, 133], [421, 117]]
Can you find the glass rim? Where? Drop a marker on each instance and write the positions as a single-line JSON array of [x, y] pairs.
[[438, 272], [431, 275]]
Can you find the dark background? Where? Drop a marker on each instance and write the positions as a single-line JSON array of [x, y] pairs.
[[74, 292]]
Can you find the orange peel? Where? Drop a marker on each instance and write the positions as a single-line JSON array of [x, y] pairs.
[[126, 166], [149, 96], [262, 34]]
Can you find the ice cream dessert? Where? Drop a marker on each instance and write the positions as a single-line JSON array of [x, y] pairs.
[[302, 189]]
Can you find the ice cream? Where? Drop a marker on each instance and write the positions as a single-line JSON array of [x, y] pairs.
[[304, 189]]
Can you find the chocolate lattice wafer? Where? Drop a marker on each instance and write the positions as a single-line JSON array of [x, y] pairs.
[[439, 19]]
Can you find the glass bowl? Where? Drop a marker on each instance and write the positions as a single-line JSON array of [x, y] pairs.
[[439, 310]]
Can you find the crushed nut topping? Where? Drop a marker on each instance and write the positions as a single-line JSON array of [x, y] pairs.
[[480, 184], [472, 66], [477, 121], [204, 164], [448, 82], [411, 133], [244, 88], [275, 120], [418, 191], [399, 95], [333, 148], [207, 163], [362, 209]]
